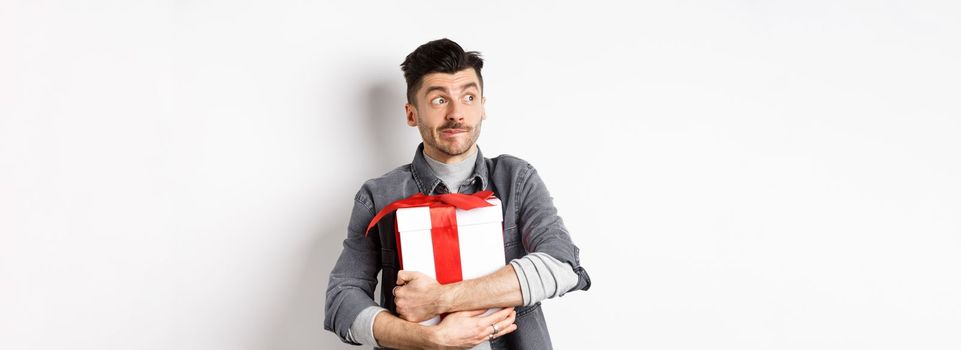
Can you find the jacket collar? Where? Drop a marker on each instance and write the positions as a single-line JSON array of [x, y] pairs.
[[427, 181]]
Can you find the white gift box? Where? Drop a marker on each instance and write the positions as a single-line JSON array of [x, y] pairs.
[[426, 244]]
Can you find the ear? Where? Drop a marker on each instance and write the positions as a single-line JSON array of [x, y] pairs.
[[483, 103], [411, 112]]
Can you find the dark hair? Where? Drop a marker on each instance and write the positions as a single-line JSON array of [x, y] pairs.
[[438, 56]]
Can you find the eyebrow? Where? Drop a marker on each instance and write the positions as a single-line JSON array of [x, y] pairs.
[[444, 89]]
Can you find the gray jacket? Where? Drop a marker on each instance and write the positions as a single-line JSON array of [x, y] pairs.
[[531, 224]]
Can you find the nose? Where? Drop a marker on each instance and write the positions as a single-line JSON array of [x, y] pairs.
[[455, 111]]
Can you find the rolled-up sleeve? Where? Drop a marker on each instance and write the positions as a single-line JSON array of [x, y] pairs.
[[353, 279], [542, 229]]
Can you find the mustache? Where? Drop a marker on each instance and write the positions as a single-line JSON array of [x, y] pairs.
[[455, 125]]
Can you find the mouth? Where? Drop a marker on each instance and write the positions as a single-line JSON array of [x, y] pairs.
[[452, 132]]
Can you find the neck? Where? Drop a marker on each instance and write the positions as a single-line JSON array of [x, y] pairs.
[[445, 158]]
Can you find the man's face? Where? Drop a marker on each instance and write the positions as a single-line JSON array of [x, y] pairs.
[[448, 112]]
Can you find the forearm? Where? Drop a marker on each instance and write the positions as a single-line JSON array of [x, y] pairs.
[[393, 332], [524, 281], [498, 289]]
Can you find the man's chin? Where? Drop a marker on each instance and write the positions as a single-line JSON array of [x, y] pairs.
[[454, 150]]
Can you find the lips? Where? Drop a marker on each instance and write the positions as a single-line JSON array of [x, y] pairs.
[[451, 132]]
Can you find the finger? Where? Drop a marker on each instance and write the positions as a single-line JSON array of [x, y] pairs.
[[510, 328], [501, 325], [404, 276], [505, 323], [499, 315], [503, 328], [510, 318]]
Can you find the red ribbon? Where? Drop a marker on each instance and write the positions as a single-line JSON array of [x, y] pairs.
[[457, 200], [446, 242], [443, 219]]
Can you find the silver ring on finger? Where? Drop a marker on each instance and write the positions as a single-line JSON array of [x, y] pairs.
[[494, 327]]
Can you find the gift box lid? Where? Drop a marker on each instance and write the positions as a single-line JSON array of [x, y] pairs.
[[414, 219]]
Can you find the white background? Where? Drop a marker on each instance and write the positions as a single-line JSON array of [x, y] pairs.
[[738, 175]]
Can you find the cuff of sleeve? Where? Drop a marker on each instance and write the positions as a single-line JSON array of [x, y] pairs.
[[362, 330], [544, 277], [523, 281]]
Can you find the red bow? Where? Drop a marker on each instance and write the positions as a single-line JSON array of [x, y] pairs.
[[457, 200]]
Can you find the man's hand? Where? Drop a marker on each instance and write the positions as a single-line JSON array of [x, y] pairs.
[[418, 297], [459, 330], [466, 329]]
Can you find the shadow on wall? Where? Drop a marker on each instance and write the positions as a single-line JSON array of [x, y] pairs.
[[393, 141], [300, 324]]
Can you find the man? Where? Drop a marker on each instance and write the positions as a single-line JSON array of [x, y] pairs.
[[445, 102]]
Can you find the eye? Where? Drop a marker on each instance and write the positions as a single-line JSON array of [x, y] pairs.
[[469, 98], [438, 100]]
